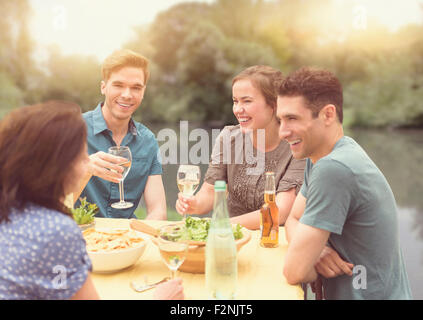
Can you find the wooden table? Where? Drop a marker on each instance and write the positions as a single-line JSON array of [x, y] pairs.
[[259, 272]]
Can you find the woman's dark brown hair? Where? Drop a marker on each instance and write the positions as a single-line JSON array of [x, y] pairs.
[[319, 87], [38, 145]]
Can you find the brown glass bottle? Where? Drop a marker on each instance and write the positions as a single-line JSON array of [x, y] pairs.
[[269, 220]]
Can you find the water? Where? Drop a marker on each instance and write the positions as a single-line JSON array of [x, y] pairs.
[[399, 155], [221, 264]]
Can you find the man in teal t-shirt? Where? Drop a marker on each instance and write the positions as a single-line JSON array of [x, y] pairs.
[[343, 225]]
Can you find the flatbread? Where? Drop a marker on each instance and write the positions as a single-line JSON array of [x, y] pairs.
[[111, 239]]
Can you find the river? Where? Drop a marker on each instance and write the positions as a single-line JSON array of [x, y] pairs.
[[399, 155]]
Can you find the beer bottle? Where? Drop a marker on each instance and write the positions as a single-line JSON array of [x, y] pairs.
[[269, 220]]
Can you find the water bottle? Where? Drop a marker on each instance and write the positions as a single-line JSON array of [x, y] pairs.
[[221, 259]]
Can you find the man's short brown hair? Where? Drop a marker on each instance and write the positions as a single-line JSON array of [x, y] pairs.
[[317, 86]]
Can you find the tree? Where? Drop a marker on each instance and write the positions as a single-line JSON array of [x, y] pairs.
[[16, 44], [10, 95], [15, 54], [74, 78], [169, 30], [193, 63]]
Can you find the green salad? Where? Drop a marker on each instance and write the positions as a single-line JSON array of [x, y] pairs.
[[85, 213], [197, 229]]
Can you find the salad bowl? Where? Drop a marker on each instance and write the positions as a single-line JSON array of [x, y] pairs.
[[195, 233]]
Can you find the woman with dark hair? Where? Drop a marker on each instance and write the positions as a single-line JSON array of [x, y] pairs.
[[43, 156], [254, 105]]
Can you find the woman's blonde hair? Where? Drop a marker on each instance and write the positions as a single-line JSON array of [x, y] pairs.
[[124, 58]]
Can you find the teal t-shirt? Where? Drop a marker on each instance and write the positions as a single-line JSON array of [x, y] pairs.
[[349, 196], [145, 162]]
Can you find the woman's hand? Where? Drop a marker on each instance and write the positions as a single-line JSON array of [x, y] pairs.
[[186, 205], [201, 203]]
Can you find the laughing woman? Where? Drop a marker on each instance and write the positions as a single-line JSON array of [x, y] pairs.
[[254, 105], [43, 155]]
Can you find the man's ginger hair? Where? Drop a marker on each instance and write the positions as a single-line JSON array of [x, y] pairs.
[[124, 58]]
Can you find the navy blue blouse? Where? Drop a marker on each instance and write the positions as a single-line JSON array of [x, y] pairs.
[[43, 255]]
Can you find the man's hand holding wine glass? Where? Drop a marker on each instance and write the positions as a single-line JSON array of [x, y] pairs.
[[106, 166]]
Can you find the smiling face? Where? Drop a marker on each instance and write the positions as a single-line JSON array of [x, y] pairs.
[[304, 133], [123, 91], [250, 107]]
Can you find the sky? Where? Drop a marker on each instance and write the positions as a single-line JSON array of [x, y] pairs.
[[91, 27], [98, 27]]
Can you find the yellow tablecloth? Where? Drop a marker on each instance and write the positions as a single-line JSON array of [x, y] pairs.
[[259, 272]]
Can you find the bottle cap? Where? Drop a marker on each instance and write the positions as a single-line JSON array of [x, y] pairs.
[[220, 185]]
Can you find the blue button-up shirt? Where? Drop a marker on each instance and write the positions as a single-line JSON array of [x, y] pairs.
[[145, 162]]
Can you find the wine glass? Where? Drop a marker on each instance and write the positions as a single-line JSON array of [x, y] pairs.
[[173, 250], [188, 179], [123, 152]]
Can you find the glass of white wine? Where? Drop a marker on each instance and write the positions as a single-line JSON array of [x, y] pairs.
[[173, 250], [188, 179], [123, 152]]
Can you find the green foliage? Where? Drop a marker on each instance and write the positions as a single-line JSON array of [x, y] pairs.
[[22, 81], [197, 229], [389, 95], [237, 229], [194, 61], [16, 45], [172, 215], [195, 50], [85, 213], [168, 31], [198, 48], [10, 95], [73, 78]]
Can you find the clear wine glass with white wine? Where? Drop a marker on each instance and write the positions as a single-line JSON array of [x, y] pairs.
[[188, 179], [123, 152], [173, 249]]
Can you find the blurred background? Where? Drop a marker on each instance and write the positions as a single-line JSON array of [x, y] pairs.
[[52, 49]]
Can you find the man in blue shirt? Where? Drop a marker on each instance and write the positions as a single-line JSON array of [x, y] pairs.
[[343, 224], [125, 75]]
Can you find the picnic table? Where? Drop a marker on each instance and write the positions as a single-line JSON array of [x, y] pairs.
[[260, 275]]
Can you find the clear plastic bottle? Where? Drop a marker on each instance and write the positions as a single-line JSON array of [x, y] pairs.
[[221, 253]]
